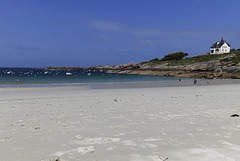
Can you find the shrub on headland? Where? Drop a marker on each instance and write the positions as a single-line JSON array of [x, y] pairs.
[[174, 56], [154, 60], [232, 50]]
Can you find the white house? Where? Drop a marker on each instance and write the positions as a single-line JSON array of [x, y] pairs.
[[220, 47]]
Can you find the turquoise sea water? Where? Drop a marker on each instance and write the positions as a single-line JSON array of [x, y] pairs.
[[40, 77]]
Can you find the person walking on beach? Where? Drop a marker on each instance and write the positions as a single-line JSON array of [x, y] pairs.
[[195, 82]]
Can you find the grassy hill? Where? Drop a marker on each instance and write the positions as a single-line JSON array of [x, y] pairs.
[[195, 59]]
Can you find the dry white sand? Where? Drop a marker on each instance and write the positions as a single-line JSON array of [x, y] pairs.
[[149, 124]]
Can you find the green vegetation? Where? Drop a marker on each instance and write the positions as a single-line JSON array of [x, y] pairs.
[[154, 60], [174, 56], [236, 59], [195, 59]]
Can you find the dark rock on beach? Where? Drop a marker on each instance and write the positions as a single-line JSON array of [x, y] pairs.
[[234, 115]]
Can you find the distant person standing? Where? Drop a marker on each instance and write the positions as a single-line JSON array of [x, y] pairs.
[[208, 81], [195, 82], [179, 81]]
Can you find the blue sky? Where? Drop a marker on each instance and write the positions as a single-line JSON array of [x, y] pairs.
[[39, 33]]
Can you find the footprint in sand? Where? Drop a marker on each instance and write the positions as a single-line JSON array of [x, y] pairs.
[[85, 150], [57, 159], [111, 148], [80, 150], [92, 140], [157, 157]]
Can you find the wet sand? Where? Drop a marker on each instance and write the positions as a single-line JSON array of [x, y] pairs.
[[181, 123]]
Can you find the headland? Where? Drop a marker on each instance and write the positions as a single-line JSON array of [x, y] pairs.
[[216, 66], [207, 66]]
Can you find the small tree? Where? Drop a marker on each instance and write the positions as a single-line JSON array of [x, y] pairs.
[[174, 56], [154, 60], [232, 50]]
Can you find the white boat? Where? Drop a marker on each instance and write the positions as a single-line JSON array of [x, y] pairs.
[[27, 73], [68, 73], [9, 72]]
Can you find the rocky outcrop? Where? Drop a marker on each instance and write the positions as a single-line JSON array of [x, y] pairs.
[[63, 68], [223, 68], [220, 69], [104, 67]]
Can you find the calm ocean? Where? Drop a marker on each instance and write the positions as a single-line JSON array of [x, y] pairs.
[[21, 77]]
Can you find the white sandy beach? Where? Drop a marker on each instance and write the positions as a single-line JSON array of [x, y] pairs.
[[138, 124]]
